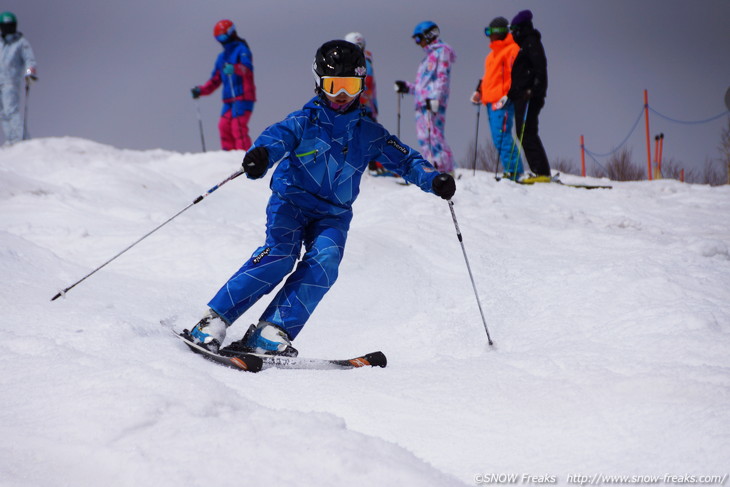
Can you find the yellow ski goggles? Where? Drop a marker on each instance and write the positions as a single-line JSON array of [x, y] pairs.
[[334, 85]]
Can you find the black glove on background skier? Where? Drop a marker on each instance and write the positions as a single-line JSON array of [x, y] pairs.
[[444, 185], [256, 162]]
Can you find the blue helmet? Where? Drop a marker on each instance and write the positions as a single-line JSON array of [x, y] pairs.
[[426, 30]]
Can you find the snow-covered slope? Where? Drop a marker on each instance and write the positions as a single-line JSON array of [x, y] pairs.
[[610, 312]]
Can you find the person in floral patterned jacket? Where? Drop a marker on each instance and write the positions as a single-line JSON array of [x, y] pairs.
[[431, 93]]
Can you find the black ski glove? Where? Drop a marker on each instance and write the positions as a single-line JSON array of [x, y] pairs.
[[256, 162], [196, 92], [444, 185], [401, 87]]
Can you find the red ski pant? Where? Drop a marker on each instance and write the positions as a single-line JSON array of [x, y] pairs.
[[234, 131]]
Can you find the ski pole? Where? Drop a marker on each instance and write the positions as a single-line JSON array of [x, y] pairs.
[[195, 201], [200, 125], [476, 138], [524, 122], [468, 267], [25, 110], [400, 96], [522, 131], [430, 143], [499, 149]]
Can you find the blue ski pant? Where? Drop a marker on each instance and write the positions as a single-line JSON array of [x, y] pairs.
[[500, 124], [288, 228]]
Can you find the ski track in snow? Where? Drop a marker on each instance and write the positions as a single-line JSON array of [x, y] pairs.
[[608, 308]]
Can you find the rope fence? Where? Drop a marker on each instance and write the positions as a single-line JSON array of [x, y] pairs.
[[643, 113]]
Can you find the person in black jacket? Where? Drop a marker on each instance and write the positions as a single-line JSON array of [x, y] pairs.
[[528, 90]]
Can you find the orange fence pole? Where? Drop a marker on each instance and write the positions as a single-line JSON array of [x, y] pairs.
[[661, 153], [648, 138], [582, 157], [656, 153]]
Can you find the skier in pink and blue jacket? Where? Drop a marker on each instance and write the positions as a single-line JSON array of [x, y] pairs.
[[234, 71], [431, 93]]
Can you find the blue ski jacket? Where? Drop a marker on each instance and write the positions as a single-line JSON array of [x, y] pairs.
[[239, 89], [322, 155]]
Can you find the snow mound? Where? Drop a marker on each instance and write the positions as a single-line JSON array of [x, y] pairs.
[[609, 311]]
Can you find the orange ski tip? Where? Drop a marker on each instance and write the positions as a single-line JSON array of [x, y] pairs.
[[359, 362], [239, 363]]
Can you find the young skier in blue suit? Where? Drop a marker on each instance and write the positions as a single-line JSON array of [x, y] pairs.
[[322, 152]]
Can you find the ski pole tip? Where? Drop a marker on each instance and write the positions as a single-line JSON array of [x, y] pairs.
[[60, 293]]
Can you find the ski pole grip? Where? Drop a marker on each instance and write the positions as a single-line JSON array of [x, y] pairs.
[[229, 178]]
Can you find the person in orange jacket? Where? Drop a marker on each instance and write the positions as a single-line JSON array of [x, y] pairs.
[[492, 91]]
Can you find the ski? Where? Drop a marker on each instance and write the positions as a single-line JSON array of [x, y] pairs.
[[252, 362], [584, 186], [374, 359], [384, 174], [247, 362], [568, 185], [556, 180], [388, 174]]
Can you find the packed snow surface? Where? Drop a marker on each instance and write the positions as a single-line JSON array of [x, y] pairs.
[[609, 309]]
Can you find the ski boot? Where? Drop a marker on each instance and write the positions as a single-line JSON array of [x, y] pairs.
[[264, 338], [209, 332], [512, 176]]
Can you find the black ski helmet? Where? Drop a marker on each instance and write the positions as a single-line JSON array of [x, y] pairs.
[[339, 58]]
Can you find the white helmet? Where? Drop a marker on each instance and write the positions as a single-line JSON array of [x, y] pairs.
[[356, 38]]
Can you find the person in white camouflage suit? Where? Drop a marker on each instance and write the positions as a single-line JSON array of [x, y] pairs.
[[431, 94], [16, 63]]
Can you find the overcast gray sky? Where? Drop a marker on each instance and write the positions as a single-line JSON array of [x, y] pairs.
[[120, 73]]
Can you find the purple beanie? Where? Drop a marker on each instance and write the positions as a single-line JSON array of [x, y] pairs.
[[521, 17]]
